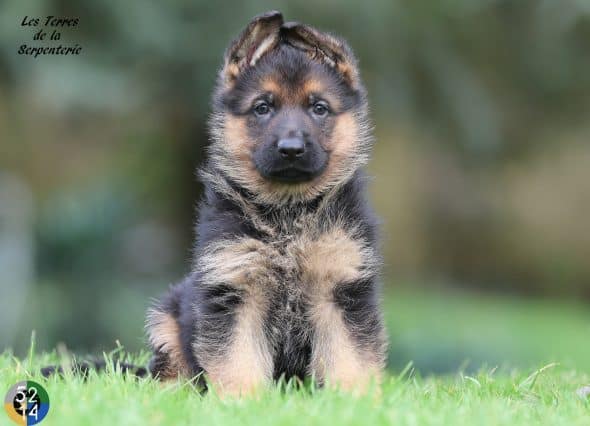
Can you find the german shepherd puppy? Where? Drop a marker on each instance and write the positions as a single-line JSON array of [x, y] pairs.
[[284, 280]]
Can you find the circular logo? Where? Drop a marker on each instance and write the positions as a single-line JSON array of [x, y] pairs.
[[27, 403]]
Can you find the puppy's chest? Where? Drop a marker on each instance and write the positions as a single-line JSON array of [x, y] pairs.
[[295, 269], [308, 262]]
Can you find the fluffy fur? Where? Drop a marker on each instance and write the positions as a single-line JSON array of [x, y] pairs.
[[285, 275]]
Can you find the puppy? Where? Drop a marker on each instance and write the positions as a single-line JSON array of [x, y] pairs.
[[285, 275]]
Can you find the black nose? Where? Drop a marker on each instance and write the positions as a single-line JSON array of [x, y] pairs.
[[291, 148]]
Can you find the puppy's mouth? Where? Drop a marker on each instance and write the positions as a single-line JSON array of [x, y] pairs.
[[277, 168], [292, 175]]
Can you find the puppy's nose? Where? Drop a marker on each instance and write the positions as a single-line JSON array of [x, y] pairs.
[[291, 148]]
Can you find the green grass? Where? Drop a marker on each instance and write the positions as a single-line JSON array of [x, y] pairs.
[[545, 396], [498, 361]]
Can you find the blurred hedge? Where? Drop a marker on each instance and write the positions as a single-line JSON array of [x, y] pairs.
[[481, 107]]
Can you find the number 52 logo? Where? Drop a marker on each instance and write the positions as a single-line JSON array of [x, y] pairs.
[[27, 403]]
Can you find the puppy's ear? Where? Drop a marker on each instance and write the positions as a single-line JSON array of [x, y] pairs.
[[331, 50], [260, 36]]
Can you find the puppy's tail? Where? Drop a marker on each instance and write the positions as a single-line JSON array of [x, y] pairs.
[[83, 368]]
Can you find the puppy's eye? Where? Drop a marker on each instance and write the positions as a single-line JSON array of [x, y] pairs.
[[320, 108], [261, 108]]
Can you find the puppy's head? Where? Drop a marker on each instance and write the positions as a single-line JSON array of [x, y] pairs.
[[289, 119]]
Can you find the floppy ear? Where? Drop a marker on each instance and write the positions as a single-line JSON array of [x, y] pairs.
[[260, 36], [331, 50]]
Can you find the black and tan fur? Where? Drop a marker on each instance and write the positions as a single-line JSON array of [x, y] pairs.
[[284, 280]]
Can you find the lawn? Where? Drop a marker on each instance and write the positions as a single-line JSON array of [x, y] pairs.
[[456, 359], [545, 396]]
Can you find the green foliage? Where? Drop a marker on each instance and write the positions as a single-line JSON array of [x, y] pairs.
[[482, 163], [442, 331]]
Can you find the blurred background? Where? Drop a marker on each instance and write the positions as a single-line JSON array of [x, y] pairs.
[[481, 169]]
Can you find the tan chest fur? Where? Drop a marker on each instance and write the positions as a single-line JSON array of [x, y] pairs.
[[314, 261]]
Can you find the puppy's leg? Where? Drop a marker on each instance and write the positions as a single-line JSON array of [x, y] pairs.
[[348, 350], [231, 344], [170, 327], [164, 336]]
